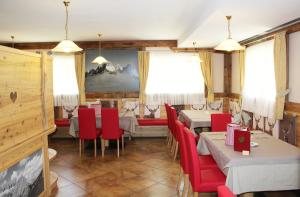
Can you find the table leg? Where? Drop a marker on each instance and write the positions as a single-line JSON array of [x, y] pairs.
[[250, 194]]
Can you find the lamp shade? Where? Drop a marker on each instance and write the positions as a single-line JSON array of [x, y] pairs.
[[229, 45], [99, 60], [66, 46]]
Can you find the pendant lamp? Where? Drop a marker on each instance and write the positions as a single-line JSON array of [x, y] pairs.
[[12, 41], [229, 44], [66, 46], [196, 56], [99, 60]]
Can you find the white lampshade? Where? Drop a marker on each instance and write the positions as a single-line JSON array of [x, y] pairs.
[[99, 60], [229, 45], [66, 46]]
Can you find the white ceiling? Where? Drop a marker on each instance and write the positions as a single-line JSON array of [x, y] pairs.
[[183, 20]]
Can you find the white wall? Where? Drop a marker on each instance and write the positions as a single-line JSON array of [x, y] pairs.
[[294, 67], [235, 74], [218, 71]]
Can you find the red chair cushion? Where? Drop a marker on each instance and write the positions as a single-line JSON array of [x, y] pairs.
[[87, 124], [152, 122], [210, 180], [207, 161], [62, 122], [224, 191], [202, 180], [110, 124]]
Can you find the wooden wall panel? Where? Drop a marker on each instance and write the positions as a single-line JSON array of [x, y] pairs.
[[20, 97], [290, 108], [26, 107]]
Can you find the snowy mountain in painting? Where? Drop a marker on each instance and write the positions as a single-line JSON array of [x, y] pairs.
[[24, 179]]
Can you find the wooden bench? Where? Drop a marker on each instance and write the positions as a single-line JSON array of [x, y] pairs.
[[62, 122], [153, 122]]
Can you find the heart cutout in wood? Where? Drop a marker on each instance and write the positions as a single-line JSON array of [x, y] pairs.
[[13, 96]]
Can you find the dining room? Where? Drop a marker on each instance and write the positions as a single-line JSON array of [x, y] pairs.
[[149, 98]]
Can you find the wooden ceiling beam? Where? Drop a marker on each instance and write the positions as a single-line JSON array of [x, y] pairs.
[[95, 44], [197, 50], [290, 27]]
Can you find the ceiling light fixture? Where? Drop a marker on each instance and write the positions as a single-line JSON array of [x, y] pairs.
[[196, 56], [229, 44], [99, 60], [12, 41], [66, 46]]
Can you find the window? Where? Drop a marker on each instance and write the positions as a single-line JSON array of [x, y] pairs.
[[259, 92], [65, 87], [175, 78]]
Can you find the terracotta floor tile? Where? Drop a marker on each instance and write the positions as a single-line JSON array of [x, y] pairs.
[[157, 190], [138, 183], [112, 190], [68, 191], [146, 169], [62, 182]]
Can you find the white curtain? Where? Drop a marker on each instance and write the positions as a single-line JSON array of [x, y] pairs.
[[65, 88], [259, 93], [174, 78]]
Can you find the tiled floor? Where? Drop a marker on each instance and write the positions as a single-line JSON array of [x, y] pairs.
[[144, 170]]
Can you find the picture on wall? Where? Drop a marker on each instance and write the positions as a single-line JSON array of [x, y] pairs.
[[119, 75], [25, 178]]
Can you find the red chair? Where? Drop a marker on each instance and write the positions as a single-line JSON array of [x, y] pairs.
[[175, 139], [169, 137], [110, 128], [205, 161], [87, 128], [219, 121], [224, 191], [202, 180]]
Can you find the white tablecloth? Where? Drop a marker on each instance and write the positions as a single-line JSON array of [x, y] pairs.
[[272, 166], [196, 118], [127, 121]]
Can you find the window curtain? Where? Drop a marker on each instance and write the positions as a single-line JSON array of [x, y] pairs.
[[80, 74], [259, 92], [242, 72], [65, 89], [280, 60], [174, 78], [143, 62], [206, 68]]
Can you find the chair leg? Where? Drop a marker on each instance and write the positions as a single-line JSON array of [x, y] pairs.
[[176, 150], [173, 145], [80, 147], [95, 148], [186, 185], [190, 190], [122, 144], [102, 146], [169, 139], [118, 141], [179, 181]]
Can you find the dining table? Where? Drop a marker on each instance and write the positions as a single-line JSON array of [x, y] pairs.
[[127, 122], [196, 118], [272, 165]]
